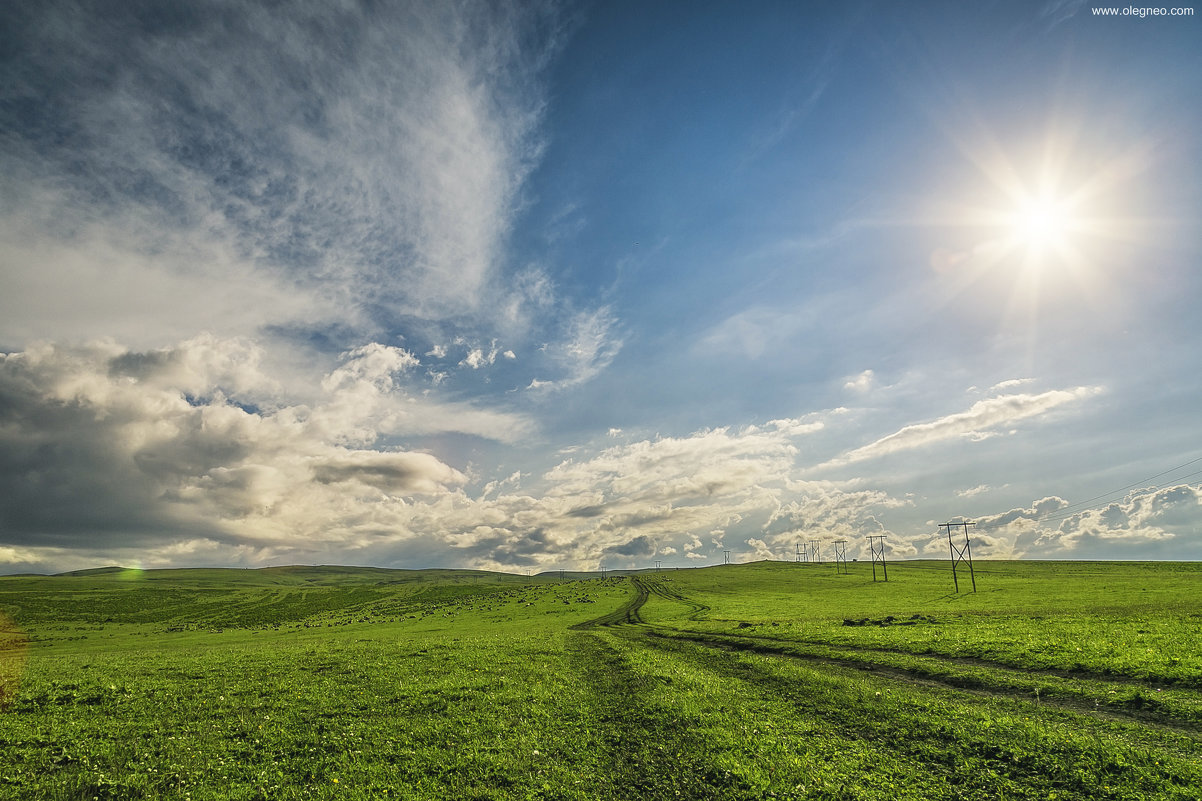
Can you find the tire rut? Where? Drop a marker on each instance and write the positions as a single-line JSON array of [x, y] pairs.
[[971, 661], [629, 614], [649, 752], [966, 684]]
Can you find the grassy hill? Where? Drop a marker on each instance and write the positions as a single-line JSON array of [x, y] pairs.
[[769, 680]]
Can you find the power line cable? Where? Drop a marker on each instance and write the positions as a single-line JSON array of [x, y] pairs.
[[1067, 512], [1076, 508]]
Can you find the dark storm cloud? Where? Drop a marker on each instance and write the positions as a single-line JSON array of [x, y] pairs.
[[595, 510], [641, 545], [394, 472], [103, 447], [77, 472]]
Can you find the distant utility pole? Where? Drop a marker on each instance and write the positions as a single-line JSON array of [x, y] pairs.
[[841, 556], [815, 554], [876, 545], [960, 553], [726, 557], [656, 565]]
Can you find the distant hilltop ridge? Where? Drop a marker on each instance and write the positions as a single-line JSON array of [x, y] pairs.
[[319, 574]]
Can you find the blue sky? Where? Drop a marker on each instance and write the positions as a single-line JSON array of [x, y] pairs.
[[538, 285]]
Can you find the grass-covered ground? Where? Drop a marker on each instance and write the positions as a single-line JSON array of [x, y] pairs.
[[772, 680]]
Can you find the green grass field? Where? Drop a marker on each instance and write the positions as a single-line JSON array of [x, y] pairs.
[[1056, 680]]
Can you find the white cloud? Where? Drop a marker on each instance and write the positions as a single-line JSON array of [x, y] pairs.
[[798, 427], [196, 454], [102, 445], [1148, 523], [824, 512], [1143, 518], [394, 473], [1010, 384], [760, 549], [753, 332], [973, 423], [588, 346], [328, 166], [478, 357], [111, 281], [861, 383]]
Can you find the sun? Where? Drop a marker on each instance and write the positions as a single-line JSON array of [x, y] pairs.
[[1042, 221]]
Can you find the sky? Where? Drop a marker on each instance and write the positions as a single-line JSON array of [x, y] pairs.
[[535, 286]]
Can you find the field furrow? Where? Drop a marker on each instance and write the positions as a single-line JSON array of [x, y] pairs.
[[731, 683]]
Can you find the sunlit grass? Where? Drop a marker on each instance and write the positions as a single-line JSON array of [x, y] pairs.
[[1056, 680]]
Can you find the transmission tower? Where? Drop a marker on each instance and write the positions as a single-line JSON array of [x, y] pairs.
[[726, 557], [841, 556], [960, 553], [876, 545]]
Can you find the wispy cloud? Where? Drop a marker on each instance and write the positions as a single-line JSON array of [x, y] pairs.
[[975, 423], [754, 332], [1010, 383], [590, 342], [324, 157], [1057, 11]]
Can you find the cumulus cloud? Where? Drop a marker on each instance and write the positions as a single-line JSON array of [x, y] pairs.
[[196, 453], [478, 357], [397, 473], [975, 423], [823, 512], [1148, 523], [103, 445], [640, 546]]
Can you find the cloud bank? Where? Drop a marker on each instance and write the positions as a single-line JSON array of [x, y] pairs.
[[195, 454], [198, 454], [1151, 523]]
